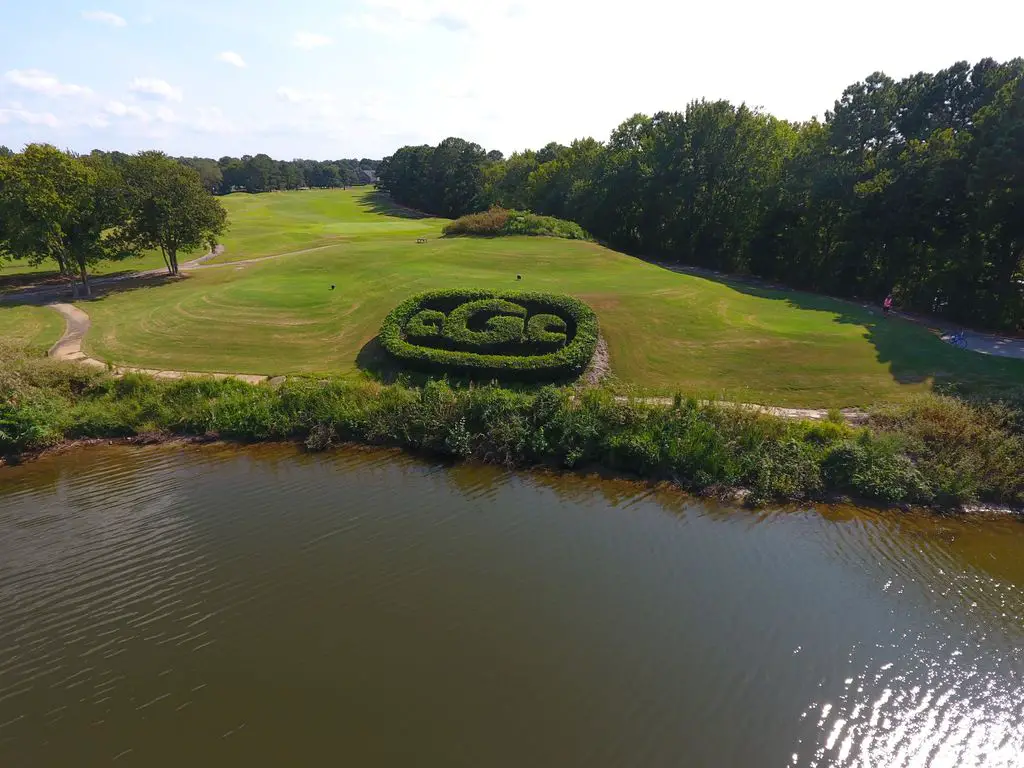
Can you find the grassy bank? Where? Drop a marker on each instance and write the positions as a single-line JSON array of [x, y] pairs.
[[932, 451]]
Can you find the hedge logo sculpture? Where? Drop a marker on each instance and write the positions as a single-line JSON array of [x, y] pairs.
[[492, 334]]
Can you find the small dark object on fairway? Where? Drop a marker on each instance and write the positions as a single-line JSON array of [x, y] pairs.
[[519, 277], [332, 286], [421, 239]]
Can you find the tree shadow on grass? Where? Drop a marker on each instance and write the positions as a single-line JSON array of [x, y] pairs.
[[104, 286], [912, 350], [381, 203], [53, 280]]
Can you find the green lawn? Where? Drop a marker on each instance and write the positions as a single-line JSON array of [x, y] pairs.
[[35, 326], [665, 331], [280, 222]]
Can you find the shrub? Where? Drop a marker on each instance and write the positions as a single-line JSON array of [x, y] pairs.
[[523, 336], [968, 452], [498, 222], [489, 223]]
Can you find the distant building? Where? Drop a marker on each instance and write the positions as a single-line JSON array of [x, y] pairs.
[[366, 176]]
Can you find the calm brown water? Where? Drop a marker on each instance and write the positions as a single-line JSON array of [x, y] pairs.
[[169, 607]]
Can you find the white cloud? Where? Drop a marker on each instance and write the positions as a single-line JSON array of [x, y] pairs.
[[403, 17], [96, 121], [44, 83], [105, 17], [120, 109], [152, 87], [212, 120], [310, 40], [295, 96], [230, 57], [165, 114], [17, 114]]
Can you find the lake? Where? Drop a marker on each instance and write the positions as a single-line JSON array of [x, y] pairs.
[[170, 606]]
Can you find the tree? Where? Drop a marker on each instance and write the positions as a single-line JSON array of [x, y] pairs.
[[63, 207], [209, 171], [233, 174], [5, 151], [456, 176], [170, 209]]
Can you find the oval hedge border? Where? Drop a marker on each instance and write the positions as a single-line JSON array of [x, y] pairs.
[[566, 362]]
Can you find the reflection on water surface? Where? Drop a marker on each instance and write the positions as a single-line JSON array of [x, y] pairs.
[[168, 606]]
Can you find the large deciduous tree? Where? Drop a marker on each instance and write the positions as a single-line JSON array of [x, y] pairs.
[[170, 208], [59, 206]]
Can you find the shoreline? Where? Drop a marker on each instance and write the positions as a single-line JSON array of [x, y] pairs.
[[737, 497]]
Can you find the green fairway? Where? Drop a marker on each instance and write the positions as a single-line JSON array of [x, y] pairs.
[[280, 222], [34, 326], [666, 332]]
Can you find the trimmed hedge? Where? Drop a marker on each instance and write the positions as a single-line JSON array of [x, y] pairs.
[[536, 336]]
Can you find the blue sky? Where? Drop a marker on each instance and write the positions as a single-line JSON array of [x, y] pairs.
[[358, 78]]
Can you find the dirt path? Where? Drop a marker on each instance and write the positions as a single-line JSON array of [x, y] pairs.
[[69, 347], [850, 415], [50, 293], [987, 344], [199, 263]]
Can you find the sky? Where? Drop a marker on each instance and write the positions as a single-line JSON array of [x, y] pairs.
[[327, 79]]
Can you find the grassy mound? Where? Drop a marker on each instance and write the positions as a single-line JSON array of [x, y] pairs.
[[492, 335], [500, 221]]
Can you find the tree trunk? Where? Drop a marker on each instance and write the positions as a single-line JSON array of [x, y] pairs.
[[65, 269], [173, 254], [166, 262], [85, 278]]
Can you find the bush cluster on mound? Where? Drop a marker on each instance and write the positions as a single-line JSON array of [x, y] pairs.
[[502, 221], [492, 335], [914, 453]]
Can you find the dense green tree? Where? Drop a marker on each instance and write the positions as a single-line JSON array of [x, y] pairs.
[[170, 208], [456, 177], [261, 173], [63, 207], [209, 171], [506, 182]]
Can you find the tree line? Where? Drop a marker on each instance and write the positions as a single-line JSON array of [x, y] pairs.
[[912, 187], [78, 210], [261, 173]]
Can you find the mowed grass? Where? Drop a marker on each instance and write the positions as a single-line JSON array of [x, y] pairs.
[[666, 331], [38, 327], [281, 222]]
